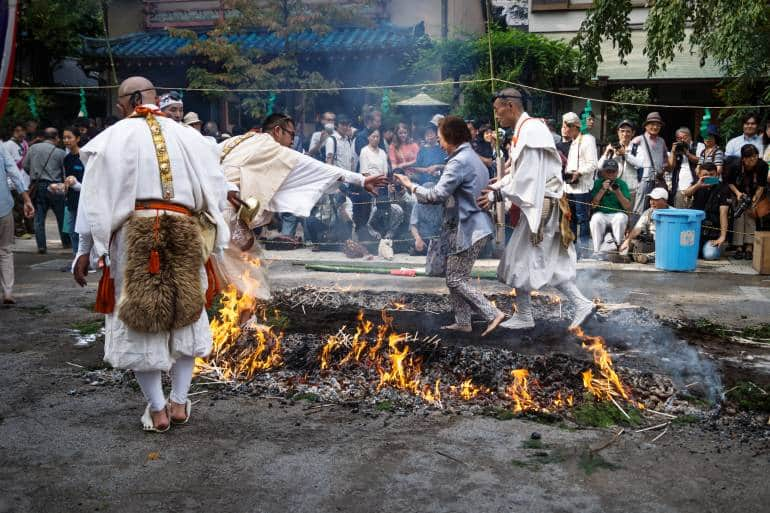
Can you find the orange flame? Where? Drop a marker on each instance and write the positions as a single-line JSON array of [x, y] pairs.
[[519, 392], [398, 306], [230, 361], [562, 402], [468, 390], [609, 384]]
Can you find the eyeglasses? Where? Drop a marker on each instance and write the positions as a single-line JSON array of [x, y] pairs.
[[290, 132]]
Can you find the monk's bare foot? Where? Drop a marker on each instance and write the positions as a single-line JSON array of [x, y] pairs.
[[457, 327], [493, 324], [160, 419], [178, 412]]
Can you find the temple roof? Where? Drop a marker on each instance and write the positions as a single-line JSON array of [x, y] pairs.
[[159, 44]]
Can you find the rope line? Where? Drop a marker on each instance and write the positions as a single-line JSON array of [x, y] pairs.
[[395, 86], [632, 104]]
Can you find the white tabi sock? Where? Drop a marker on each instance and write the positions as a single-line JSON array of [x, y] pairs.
[[522, 318]]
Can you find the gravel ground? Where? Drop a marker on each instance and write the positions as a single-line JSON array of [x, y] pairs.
[[69, 445]]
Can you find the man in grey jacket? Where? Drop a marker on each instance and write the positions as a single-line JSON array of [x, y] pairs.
[[45, 164]]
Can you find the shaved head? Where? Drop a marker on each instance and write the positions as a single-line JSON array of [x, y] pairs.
[[135, 91]]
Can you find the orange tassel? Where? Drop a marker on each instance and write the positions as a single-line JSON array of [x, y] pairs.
[[154, 265], [213, 287], [105, 293]]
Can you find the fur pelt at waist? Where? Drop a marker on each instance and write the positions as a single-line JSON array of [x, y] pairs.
[[172, 298]]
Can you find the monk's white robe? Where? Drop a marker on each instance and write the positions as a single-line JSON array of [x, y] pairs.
[[121, 167], [535, 174], [281, 180]]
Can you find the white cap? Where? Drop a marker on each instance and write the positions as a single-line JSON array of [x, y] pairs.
[[658, 193], [191, 118], [571, 118], [435, 120]]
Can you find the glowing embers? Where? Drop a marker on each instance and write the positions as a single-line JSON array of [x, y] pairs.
[[234, 357]]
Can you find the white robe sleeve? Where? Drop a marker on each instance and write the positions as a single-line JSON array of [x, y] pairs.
[[306, 183]]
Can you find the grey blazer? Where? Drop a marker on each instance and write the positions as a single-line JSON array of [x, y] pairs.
[[464, 176]]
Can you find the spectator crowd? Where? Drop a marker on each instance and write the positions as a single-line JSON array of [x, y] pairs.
[[613, 189]]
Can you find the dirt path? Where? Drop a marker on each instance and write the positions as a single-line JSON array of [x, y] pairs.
[[69, 446]]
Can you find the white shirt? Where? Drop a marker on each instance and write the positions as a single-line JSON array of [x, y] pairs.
[[734, 145], [345, 156], [582, 159], [642, 158], [685, 175], [373, 162]]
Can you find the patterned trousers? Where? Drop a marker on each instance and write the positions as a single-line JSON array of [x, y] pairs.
[[464, 297]]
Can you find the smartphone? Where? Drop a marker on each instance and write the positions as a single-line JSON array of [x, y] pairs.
[[711, 180]]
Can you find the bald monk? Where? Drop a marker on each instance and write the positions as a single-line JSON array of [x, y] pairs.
[[149, 217]]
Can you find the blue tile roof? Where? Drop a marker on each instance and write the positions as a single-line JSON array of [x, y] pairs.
[[351, 39]]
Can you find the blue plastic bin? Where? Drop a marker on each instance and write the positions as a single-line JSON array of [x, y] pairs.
[[677, 238]]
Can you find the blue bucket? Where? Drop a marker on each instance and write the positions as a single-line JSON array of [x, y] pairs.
[[677, 238]]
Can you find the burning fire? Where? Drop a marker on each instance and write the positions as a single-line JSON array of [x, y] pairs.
[[398, 306], [230, 360], [467, 390], [608, 383], [519, 392]]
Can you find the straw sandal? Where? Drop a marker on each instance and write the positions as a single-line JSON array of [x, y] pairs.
[[149, 426], [187, 410]]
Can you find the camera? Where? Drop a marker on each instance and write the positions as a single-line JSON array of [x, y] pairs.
[[742, 206], [614, 186], [680, 147]]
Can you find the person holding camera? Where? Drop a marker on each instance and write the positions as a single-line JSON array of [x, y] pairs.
[[649, 156], [582, 163], [611, 200], [713, 198], [682, 160], [747, 179], [617, 151]]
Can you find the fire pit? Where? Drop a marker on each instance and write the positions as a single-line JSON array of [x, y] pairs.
[[369, 349]]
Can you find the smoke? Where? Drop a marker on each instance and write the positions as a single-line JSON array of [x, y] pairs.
[[653, 346]]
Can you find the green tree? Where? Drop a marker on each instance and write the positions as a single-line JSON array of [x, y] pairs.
[[734, 33], [52, 29], [230, 64], [517, 57]]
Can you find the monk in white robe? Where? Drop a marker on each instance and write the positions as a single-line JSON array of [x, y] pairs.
[[264, 168], [127, 185], [540, 252]]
